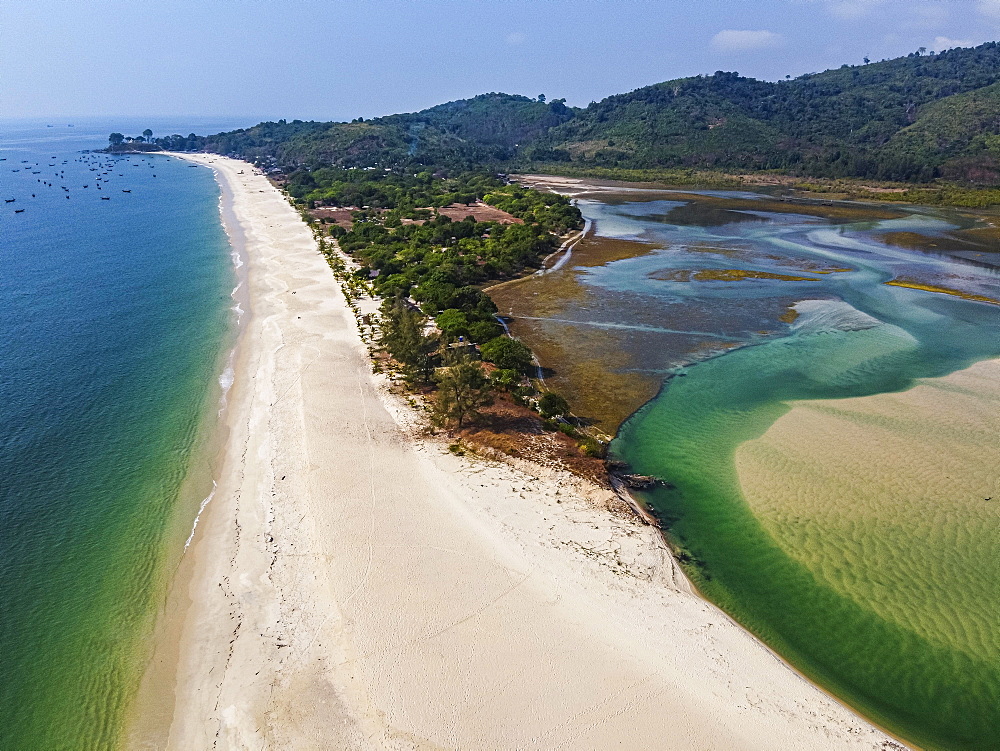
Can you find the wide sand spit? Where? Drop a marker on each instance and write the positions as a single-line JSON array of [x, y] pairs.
[[354, 586]]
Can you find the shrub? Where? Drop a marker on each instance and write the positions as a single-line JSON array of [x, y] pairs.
[[552, 405], [483, 331], [508, 353], [505, 378], [453, 323], [566, 429], [592, 447]]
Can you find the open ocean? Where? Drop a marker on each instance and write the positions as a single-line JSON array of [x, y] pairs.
[[116, 321]]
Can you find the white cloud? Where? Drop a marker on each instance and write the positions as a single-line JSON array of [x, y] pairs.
[[515, 38], [946, 43], [732, 40]]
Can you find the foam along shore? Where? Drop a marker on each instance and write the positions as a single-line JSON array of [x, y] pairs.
[[354, 586]]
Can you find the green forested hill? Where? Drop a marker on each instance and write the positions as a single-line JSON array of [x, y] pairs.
[[852, 121], [913, 118], [482, 130], [961, 132]]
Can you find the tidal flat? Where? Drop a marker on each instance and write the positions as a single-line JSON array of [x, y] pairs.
[[821, 401]]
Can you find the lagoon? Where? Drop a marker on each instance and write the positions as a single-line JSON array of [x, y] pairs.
[[830, 460]]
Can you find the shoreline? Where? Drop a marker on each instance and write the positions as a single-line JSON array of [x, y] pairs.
[[150, 714], [351, 586]]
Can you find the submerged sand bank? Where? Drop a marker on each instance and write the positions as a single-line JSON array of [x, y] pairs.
[[893, 500], [351, 586]]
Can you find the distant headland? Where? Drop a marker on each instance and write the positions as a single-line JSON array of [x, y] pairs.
[[119, 143]]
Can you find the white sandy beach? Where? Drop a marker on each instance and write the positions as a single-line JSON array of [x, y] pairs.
[[351, 586]]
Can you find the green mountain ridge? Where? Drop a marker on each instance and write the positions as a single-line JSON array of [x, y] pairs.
[[913, 118], [486, 129]]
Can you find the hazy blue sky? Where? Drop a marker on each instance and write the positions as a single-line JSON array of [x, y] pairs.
[[337, 60]]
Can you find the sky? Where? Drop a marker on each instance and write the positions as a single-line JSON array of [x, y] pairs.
[[336, 60]]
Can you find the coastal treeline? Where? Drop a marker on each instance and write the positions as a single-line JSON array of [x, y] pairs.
[[119, 142], [406, 248], [395, 196], [436, 322]]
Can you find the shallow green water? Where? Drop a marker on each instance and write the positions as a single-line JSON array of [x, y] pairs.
[[937, 693], [930, 673], [115, 323]]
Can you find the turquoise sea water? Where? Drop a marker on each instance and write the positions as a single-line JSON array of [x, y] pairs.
[[928, 669], [115, 323]]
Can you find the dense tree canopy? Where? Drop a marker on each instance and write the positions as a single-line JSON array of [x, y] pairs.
[[851, 121], [428, 266], [439, 264], [486, 129]]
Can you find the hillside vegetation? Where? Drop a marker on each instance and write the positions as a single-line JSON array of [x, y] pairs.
[[857, 121], [914, 118], [486, 129]]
